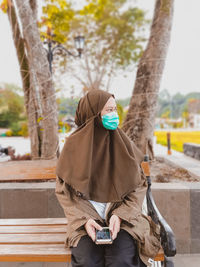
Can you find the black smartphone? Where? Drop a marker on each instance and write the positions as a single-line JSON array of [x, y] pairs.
[[103, 236]]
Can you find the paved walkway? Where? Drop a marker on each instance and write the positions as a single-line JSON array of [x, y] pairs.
[[187, 260], [179, 159]]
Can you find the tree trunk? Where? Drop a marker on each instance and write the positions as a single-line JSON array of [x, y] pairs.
[[41, 80], [140, 119], [29, 99]]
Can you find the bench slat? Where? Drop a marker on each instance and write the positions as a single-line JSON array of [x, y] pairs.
[[43, 253], [33, 239], [28, 178], [33, 229], [35, 221], [29, 170]]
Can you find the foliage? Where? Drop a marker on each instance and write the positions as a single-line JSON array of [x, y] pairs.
[[11, 105], [166, 114], [23, 129], [18, 129], [178, 138], [9, 133], [174, 106], [114, 36], [67, 106], [4, 5], [115, 28], [15, 128], [124, 102], [57, 16], [121, 114]]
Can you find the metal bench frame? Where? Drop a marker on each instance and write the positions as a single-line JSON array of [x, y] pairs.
[[167, 236]]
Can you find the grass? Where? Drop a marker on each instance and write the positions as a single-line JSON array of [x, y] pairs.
[[178, 138]]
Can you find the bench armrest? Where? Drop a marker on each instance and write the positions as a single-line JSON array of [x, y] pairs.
[[167, 236]]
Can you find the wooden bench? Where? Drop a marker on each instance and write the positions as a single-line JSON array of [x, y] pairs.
[[36, 240], [29, 240], [28, 171]]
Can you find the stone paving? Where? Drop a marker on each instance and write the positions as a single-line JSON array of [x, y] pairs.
[[187, 260]]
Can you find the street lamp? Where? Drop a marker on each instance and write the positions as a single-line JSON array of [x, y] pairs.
[[79, 44], [54, 47]]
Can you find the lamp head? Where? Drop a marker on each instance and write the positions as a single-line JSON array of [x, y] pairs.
[[79, 44]]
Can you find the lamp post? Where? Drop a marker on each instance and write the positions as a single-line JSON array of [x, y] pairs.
[[53, 47]]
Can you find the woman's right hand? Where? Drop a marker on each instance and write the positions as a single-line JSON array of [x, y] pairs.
[[91, 227]]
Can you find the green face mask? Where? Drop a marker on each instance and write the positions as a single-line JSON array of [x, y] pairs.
[[110, 120]]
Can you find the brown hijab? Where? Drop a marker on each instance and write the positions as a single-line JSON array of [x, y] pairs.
[[104, 165]]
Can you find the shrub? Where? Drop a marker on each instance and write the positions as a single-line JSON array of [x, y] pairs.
[[15, 128], [24, 129], [9, 133]]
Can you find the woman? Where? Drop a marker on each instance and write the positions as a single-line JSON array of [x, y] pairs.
[[100, 183]]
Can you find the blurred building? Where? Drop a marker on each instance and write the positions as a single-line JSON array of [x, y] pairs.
[[194, 113]]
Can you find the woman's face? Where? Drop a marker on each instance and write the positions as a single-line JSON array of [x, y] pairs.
[[110, 106]]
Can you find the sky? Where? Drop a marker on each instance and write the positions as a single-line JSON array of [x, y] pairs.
[[182, 67]]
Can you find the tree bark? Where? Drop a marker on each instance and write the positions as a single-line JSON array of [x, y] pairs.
[[140, 119], [29, 98], [41, 77]]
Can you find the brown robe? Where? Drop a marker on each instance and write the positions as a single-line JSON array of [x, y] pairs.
[[78, 210], [104, 166]]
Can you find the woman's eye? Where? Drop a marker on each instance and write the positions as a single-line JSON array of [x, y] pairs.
[[111, 109]]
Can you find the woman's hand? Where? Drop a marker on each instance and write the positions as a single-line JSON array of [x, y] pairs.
[[114, 225], [91, 227]]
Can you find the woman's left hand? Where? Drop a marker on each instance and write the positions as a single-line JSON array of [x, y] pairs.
[[114, 225]]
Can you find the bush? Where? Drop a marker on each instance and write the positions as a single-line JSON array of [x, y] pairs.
[[15, 128], [24, 129], [9, 133], [18, 129]]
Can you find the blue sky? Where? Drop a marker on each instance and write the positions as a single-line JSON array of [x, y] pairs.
[[182, 68]]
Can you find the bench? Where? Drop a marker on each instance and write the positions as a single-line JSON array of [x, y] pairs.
[[33, 240], [28, 171], [36, 240]]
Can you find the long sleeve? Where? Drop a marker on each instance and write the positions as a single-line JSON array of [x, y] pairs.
[[76, 209]]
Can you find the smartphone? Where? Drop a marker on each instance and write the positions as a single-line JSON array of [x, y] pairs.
[[103, 236]]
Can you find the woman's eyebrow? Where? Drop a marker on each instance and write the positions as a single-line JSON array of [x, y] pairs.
[[111, 106]]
